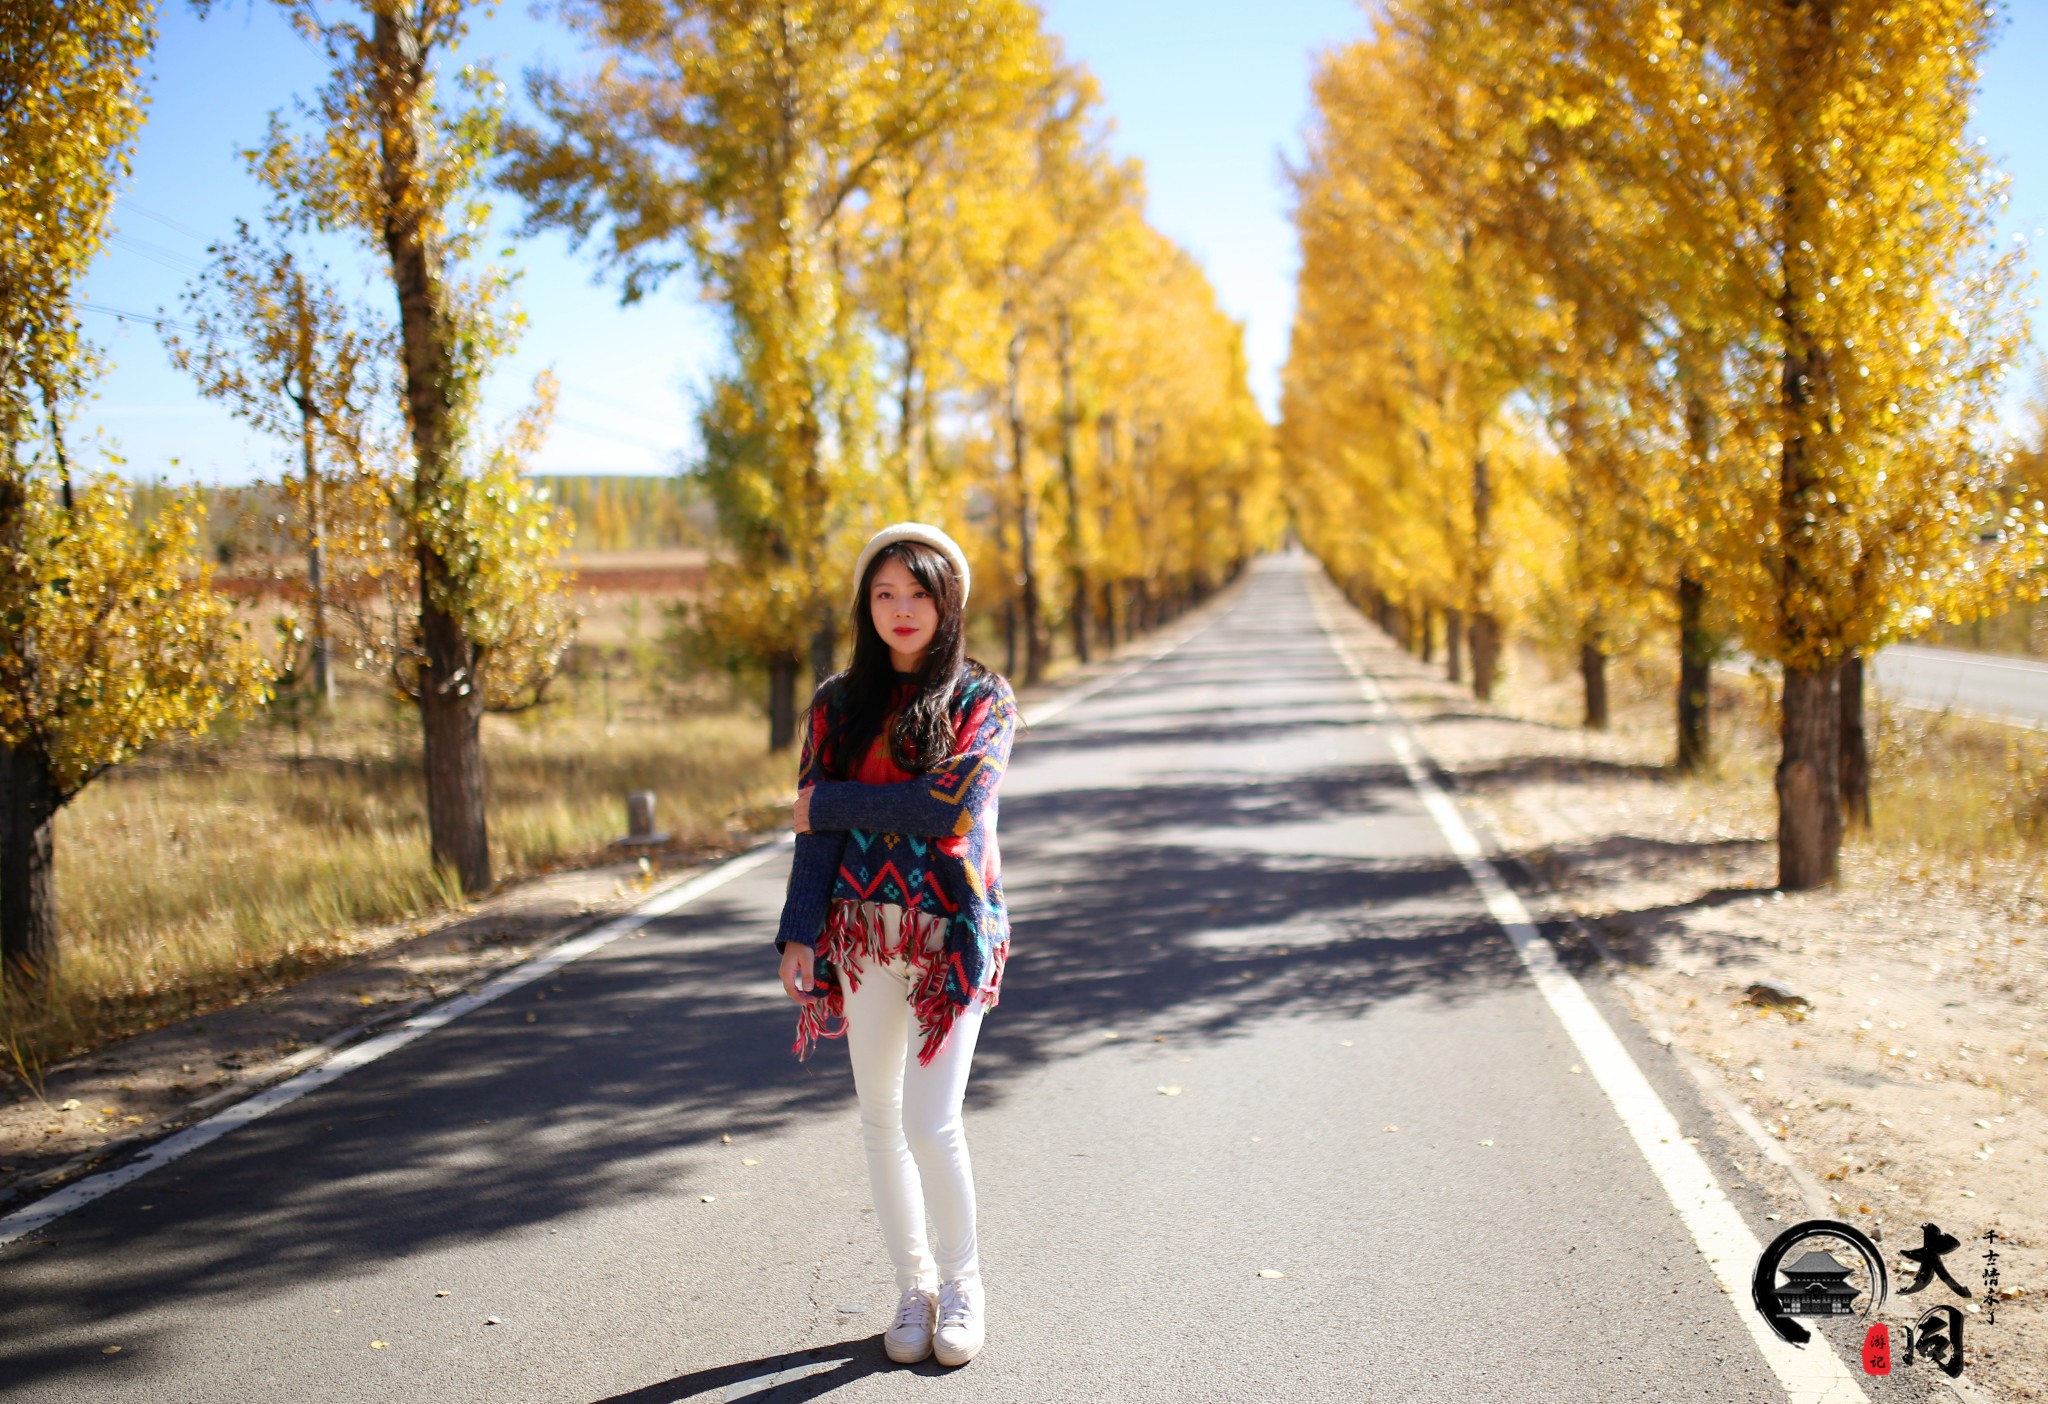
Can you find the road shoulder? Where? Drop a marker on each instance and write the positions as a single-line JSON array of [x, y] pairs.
[[1905, 1091]]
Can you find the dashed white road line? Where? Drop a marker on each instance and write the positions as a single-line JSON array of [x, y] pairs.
[[1810, 1374], [78, 1193]]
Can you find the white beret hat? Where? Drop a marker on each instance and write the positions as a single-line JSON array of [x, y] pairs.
[[912, 531]]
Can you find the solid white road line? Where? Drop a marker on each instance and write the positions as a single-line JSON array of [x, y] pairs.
[[50, 1207], [1810, 1374]]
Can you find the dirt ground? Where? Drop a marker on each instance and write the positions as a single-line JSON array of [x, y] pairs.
[[1910, 1088]]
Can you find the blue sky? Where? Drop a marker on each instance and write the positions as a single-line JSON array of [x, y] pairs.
[[1208, 100]]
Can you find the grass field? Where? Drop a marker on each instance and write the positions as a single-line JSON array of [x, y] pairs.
[[213, 870], [1954, 800]]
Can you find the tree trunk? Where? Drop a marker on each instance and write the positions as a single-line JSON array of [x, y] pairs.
[[451, 693], [316, 589], [1454, 645], [907, 417], [1428, 626], [1809, 778], [1855, 746], [1593, 672], [28, 891], [1070, 421], [451, 717], [1030, 614], [1695, 676], [782, 709], [824, 640], [1485, 655]]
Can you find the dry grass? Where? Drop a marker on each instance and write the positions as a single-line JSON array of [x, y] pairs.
[[1956, 801], [214, 871]]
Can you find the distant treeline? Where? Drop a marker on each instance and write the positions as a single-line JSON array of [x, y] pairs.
[[631, 512], [613, 512]]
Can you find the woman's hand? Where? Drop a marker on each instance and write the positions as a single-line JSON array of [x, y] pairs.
[[803, 810], [798, 963]]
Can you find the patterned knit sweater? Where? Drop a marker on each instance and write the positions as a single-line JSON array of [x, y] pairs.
[[925, 843]]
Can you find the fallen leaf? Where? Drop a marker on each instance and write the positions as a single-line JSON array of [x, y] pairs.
[[70, 1104], [1575, 1068], [706, 1198], [110, 1350], [726, 1139], [115, 1111], [365, 999], [1269, 1272], [492, 1321], [1390, 1127], [1486, 1143], [747, 1160], [1171, 1089], [132, 1120], [1348, 1043], [531, 1017], [375, 1345], [1110, 1033], [441, 1294]]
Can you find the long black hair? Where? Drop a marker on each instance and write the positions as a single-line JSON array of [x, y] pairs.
[[922, 735]]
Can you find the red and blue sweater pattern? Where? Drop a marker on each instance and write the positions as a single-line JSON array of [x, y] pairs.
[[925, 843]]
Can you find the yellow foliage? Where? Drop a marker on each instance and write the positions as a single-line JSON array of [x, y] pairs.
[[115, 637]]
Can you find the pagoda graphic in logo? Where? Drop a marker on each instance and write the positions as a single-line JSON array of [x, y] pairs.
[[1817, 1286]]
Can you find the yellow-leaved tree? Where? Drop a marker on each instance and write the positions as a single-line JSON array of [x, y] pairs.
[[741, 140], [1772, 330], [110, 637], [477, 614], [285, 352], [1411, 336]]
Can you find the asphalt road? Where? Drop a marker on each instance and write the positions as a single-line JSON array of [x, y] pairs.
[[1941, 679], [1217, 861]]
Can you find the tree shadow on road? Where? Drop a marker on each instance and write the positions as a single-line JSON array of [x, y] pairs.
[[636, 1062], [1200, 907]]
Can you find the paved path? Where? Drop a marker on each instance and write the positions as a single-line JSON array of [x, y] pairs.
[[1217, 861], [2009, 689]]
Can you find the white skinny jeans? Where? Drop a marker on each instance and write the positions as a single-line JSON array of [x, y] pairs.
[[911, 1124]]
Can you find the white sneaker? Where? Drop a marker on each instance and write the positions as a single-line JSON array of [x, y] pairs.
[[960, 1333], [910, 1339]]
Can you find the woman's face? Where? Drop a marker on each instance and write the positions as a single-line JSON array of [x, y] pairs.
[[905, 614]]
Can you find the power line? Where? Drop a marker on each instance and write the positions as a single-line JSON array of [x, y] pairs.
[[148, 320], [163, 219], [155, 253]]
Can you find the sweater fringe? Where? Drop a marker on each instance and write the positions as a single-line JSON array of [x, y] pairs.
[[854, 933]]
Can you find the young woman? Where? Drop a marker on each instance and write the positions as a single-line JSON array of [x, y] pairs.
[[894, 922]]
